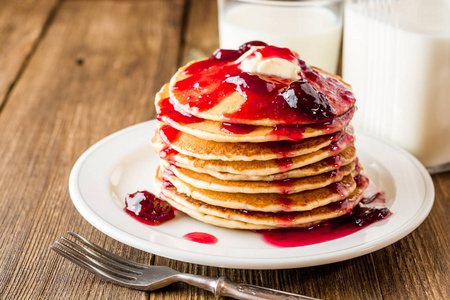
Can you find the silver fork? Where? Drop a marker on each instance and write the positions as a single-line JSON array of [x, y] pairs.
[[130, 274]]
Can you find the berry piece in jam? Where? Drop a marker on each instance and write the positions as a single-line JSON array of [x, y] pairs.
[[147, 208], [245, 47], [229, 55], [361, 216], [226, 54], [303, 97], [316, 98]]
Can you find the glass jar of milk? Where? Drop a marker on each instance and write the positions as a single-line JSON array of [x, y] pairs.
[[396, 56], [312, 28]]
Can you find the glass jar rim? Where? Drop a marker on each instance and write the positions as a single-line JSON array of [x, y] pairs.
[[290, 2]]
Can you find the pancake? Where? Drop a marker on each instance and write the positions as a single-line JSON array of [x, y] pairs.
[[255, 138], [344, 158], [240, 151], [219, 91], [214, 130], [243, 219], [270, 202], [287, 186], [258, 167]]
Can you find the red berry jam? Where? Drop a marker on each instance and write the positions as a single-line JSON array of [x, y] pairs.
[[338, 188], [301, 96], [147, 208], [360, 217], [284, 163], [201, 237], [167, 109], [245, 47], [293, 132], [315, 98], [169, 134], [228, 55], [361, 180], [285, 202], [170, 115], [282, 148], [335, 161], [237, 128], [377, 198], [168, 153], [167, 184]]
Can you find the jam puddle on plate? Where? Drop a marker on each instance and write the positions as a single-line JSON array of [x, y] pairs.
[[201, 237], [361, 217], [148, 209]]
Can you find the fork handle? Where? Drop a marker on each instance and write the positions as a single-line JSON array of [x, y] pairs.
[[225, 287]]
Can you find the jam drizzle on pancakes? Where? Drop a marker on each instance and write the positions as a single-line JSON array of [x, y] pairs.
[[210, 81]]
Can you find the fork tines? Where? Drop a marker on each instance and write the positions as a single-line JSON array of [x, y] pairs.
[[98, 260]]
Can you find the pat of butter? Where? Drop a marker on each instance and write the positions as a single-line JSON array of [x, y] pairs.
[[253, 62]]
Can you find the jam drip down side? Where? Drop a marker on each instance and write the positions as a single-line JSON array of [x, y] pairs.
[[169, 134], [167, 109], [170, 114], [236, 128], [357, 218]]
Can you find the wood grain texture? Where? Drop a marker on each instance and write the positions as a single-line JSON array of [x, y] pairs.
[[21, 25], [95, 71], [417, 267]]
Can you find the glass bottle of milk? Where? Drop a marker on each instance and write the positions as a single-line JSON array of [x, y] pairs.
[[312, 28], [396, 56]]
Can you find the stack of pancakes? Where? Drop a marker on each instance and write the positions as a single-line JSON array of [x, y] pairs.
[[235, 170]]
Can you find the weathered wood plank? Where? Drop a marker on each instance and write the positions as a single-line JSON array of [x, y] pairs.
[[418, 266], [95, 71], [21, 25]]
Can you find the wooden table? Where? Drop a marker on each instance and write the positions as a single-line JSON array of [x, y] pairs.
[[73, 72]]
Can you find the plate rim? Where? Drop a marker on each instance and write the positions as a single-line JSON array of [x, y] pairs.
[[247, 263]]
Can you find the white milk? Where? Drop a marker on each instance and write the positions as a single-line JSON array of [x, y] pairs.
[[314, 32], [397, 59]]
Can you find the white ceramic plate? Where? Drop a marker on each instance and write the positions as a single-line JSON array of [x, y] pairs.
[[124, 163]]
